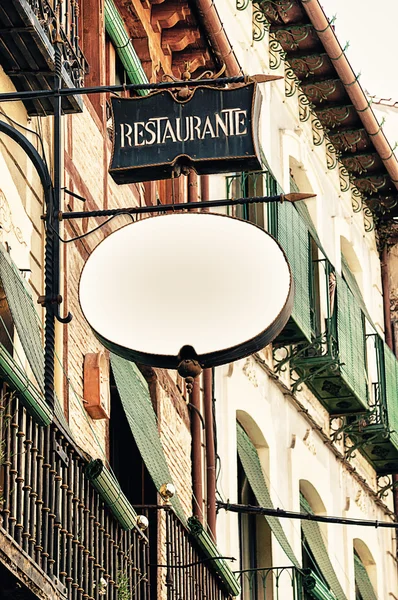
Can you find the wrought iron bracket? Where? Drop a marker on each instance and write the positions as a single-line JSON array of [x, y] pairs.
[[295, 354], [384, 489]]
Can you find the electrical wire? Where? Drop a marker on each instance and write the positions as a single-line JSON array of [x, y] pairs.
[[39, 136], [84, 235]]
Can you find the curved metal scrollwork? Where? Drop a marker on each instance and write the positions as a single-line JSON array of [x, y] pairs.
[[305, 107], [344, 177], [260, 23], [276, 53], [385, 484], [332, 155], [369, 218], [242, 4], [318, 132], [356, 199], [291, 81]]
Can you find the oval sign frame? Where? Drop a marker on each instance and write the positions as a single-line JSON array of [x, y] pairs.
[[215, 356]]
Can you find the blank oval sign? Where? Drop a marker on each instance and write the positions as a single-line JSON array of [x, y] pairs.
[[216, 283]]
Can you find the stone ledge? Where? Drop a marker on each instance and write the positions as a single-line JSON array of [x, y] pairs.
[[21, 565]]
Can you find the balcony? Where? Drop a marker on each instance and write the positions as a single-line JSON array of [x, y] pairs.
[[67, 530], [375, 433], [27, 55], [283, 583], [55, 519]]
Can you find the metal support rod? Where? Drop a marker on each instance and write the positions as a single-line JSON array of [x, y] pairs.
[[31, 95], [162, 208], [287, 514]]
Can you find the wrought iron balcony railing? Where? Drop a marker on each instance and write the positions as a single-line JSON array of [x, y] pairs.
[[53, 513], [188, 574], [280, 583], [27, 54]]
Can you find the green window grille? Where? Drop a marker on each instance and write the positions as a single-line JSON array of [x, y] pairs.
[[362, 580], [292, 233], [141, 417], [351, 342], [313, 536], [251, 464]]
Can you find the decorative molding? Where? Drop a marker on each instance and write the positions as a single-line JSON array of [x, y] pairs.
[[250, 372], [6, 221], [242, 4], [360, 500], [276, 53], [308, 440], [260, 23]]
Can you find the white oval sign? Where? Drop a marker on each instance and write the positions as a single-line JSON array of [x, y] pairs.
[[216, 283]]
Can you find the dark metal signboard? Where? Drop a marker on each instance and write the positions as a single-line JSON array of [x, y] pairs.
[[213, 131]]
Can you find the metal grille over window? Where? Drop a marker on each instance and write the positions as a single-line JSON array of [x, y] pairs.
[[317, 546], [252, 467], [141, 417]]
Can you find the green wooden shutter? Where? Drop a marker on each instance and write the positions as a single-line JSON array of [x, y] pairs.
[[316, 589], [362, 580], [109, 489], [217, 564], [317, 546], [391, 374], [28, 326], [141, 417], [252, 467], [351, 341], [292, 234]]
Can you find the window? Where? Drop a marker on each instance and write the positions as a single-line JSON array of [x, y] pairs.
[[247, 185], [131, 472]]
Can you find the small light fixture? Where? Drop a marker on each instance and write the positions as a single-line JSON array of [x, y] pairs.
[[167, 491], [142, 522]]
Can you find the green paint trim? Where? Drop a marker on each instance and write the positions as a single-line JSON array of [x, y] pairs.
[[219, 565], [116, 30], [109, 489], [30, 396]]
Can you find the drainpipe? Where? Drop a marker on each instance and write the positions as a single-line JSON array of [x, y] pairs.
[[336, 54], [218, 38], [385, 282], [196, 432], [208, 414]]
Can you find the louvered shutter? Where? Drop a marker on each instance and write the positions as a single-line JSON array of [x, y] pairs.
[[292, 234], [351, 341]]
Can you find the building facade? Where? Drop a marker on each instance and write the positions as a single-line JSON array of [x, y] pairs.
[[306, 425]]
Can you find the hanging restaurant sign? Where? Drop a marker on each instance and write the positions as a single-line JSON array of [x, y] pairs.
[[190, 285], [213, 131]]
